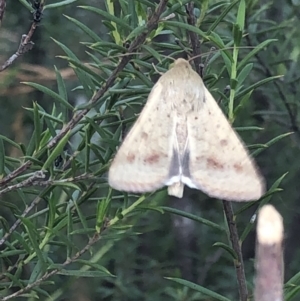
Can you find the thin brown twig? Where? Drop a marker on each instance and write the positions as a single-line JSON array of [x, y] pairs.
[[15, 173], [25, 44], [238, 263], [194, 39], [28, 182], [18, 221], [23, 48], [33, 181]]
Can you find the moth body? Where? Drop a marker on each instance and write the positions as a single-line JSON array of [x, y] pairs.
[[182, 137]]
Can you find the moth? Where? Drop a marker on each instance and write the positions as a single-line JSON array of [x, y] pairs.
[[183, 137]]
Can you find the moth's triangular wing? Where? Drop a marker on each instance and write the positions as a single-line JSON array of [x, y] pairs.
[[219, 163], [143, 162]]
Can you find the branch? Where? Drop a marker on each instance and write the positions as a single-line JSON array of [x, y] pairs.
[[15, 173], [26, 44], [234, 238], [28, 182], [37, 179], [196, 46]]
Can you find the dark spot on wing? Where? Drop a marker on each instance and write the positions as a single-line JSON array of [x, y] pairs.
[[214, 164], [238, 167], [144, 135], [130, 157], [153, 158], [223, 142]]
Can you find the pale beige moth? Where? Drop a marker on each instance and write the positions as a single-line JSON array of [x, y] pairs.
[[183, 137]]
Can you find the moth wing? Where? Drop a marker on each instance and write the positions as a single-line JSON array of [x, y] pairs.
[[143, 162], [218, 161]]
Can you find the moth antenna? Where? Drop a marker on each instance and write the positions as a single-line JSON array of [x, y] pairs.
[[210, 54], [123, 126], [213, 50], [124, 54], [183, 47], [170, 16], [160, 73], [208, 58], [225, 92]]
